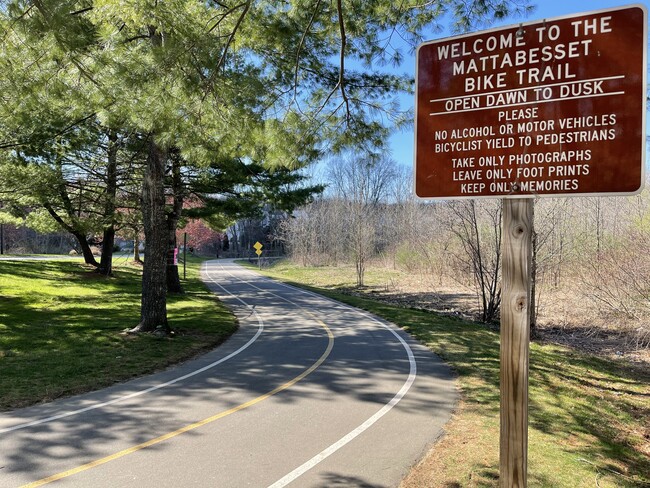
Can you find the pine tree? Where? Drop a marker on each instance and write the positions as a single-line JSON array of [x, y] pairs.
[[279, 82]]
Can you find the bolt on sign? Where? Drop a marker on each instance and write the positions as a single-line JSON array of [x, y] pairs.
[[550, 108]]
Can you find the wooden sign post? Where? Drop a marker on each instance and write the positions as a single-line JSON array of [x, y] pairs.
[[540, 109], [515, 338]]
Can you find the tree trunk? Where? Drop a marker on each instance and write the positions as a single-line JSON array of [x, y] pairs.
[[173, 279], [153, 308], [81, 237], [87, 252], [108, 240], [108, 243], [136, 248], [235, 241]]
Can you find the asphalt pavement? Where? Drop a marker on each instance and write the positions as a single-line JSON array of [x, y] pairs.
[[308, 393]]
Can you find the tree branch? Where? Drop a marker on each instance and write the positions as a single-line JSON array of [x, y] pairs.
[[299, 49], [231, 38], [82, 11], [14, 144], [341, 84], [226, 14]]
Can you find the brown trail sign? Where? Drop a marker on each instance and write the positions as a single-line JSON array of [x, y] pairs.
[[551, 108], [548, 108]]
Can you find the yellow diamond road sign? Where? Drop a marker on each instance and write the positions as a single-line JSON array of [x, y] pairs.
[[258, 248]]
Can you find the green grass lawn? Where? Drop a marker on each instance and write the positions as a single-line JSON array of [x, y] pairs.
[[589, 418], [61, 328]]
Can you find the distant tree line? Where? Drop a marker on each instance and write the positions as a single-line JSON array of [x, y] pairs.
[[596, 246]]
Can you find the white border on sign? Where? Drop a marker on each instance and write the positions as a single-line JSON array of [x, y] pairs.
[[524, 24]]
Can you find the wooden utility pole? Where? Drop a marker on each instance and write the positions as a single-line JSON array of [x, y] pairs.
[[515, 337]]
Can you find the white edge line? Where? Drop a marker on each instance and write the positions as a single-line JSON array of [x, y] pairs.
[[325, 453], [156, 387]]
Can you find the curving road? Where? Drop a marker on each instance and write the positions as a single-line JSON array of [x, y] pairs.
[[308, 393]]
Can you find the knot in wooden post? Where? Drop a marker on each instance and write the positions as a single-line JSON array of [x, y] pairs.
[[522, 304]]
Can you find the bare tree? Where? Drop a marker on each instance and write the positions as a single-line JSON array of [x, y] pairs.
[[298, 234], [363, 179], [362, 183], [418, 240], [617, 280], [477, 225]]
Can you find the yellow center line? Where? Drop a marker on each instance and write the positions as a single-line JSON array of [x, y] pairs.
[[195, 425]]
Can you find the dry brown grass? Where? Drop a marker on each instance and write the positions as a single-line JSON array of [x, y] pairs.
[[566, 314]]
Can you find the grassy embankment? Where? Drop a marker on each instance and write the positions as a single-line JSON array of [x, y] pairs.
[[61, 328], [589, 419]]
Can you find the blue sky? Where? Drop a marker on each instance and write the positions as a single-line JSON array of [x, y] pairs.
[[402, 143]]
